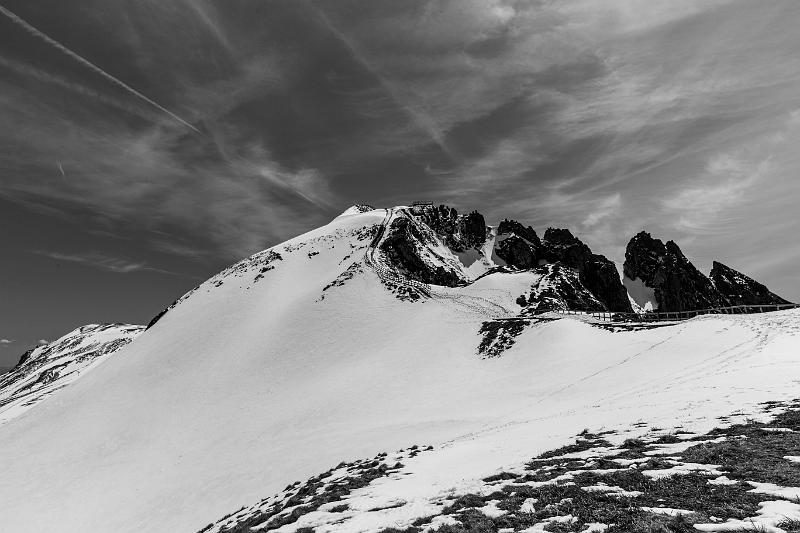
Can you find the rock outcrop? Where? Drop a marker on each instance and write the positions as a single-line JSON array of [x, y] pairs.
[[459, 232], [521, 247], [739, 289], [438, 246], [595, 271], [559, 288], [518, 246], [676, 282], [402, 248]]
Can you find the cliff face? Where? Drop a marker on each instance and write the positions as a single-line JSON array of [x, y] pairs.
[[559, 288], [459, 232], [679, 286], [404, 246], [595, 271], [521, 247], [438, 246], [740, 289]]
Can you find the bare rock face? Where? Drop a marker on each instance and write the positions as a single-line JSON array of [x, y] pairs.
[[512, 227], [472, 230], [518, 246], [595, 271], [459, 232], [401, 247], [677, 284], [740, 289], [559, 288]]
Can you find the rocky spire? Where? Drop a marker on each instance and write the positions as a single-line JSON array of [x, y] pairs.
[[740, 289], [677, 284]]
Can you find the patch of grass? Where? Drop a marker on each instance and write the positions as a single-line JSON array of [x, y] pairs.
[[500, 335], [749, 453], [634, 444], [311, 496], [644, 522], [669, 438], [787, 419], [758, 457], [581, 445], [790, 525], [500, 477], [466, 501]]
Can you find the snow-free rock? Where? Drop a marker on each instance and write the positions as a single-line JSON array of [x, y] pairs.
[[740, 289], [596, 272], [520, 247], [676, 283]]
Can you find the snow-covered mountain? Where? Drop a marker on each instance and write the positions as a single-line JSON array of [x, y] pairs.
[[46, 369], [385, 329]]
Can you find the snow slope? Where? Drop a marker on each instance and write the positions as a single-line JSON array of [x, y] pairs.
[[301, 356], [48, 368]]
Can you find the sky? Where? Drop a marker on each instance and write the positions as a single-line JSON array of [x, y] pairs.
[[148, 144]]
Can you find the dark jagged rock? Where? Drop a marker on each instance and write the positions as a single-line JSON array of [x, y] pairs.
[[517, 245], [601, 277], [459, 232], [512, 226], [24, 358], [472, 229], [517, 252], [740, 289], [666, 276], [559, 288], [399, 245], [677, 284], [596, 272]]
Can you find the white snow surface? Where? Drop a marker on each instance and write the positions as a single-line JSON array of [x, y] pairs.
[[52, 366], [643, 296], [254, 381]]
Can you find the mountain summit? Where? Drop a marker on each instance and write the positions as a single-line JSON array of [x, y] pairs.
[[385, 329]]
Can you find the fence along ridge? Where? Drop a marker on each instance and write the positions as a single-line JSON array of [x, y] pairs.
[[652, 316]]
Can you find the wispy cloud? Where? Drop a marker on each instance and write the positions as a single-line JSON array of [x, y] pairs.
[[605, 208], [604, 117], [6, 341], [104, 262], [726, 182], [225, 193], [88, 64]]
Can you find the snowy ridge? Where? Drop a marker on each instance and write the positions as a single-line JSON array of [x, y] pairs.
[[50, 367], [303, 356]]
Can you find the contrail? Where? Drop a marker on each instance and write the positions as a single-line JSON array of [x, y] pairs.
[[49, 40], [419, 117], [140, 111]]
